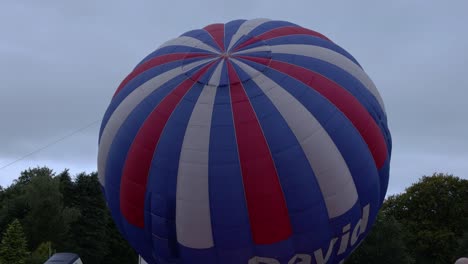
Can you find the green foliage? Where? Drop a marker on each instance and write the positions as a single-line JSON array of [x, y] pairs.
[[433, 213], [119, 250], [90, 228], [384, 245], [41, 254], [68, 214], [427, 223], [462, 250], [13, 206], [27, 175], [13, 247], [44, 221]]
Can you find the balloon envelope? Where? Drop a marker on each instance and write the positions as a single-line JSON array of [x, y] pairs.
[[462, 261], [254, 141]]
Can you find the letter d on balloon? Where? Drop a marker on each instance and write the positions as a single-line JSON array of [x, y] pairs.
[[361, 225], [358, 230]]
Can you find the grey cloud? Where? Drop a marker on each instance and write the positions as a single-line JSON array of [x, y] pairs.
[[61, 61]]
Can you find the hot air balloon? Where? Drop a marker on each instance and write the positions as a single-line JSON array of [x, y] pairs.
[[462, 261], [254, 141]]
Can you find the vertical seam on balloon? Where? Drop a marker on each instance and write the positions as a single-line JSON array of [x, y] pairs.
[[149, 76], [368, 84], [313, 41], [194, 82], [218, 42], [268, 146], [379, 159], [186, 41], [264, 36], [154, 62], [238, 155], [117, 187], [112, 115], [360, 138], [330, 230], [233, 44], [185, 139], [217, 257], [286, 221], [300, 143], [156, 144], [239, 159], [377, 109], [138, 223]]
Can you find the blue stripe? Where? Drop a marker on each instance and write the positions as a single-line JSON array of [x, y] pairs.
[[270, 25], [344, 135], [203, 36], [224, 80], [259, 43], [351, 217], [265, 27], [117, 157], [342, 132], [196, 256], [311, 40], [282, 251], [229, 215], [162, 182], [135, 83], [131, 86], [257, 54], [344, 79], [205, 78], [230, 29], [171, 50], [307, 209]]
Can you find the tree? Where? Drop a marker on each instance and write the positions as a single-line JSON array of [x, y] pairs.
[[119, 249], [462, 250], [433, 214], [13, 247], [384, 245], [13, 206], [71, 214], [44, 221], [89, 231], [27, 175], [41, 254], [67, 188]]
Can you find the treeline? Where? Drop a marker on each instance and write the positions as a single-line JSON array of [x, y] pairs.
[[42, 211], [427, 224]]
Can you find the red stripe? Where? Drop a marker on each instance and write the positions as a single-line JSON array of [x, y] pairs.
[[156, 61], [279, 32], [140, 155], [217, 33], [343, 100], [268, 214]]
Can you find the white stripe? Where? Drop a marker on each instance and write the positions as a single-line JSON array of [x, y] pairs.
[[245, 29], [126, 107], [256, 49], [329, 56], [193, 218], [189, 42], [331, 171]]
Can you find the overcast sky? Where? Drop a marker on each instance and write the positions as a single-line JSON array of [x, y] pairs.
[[61, 61]]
